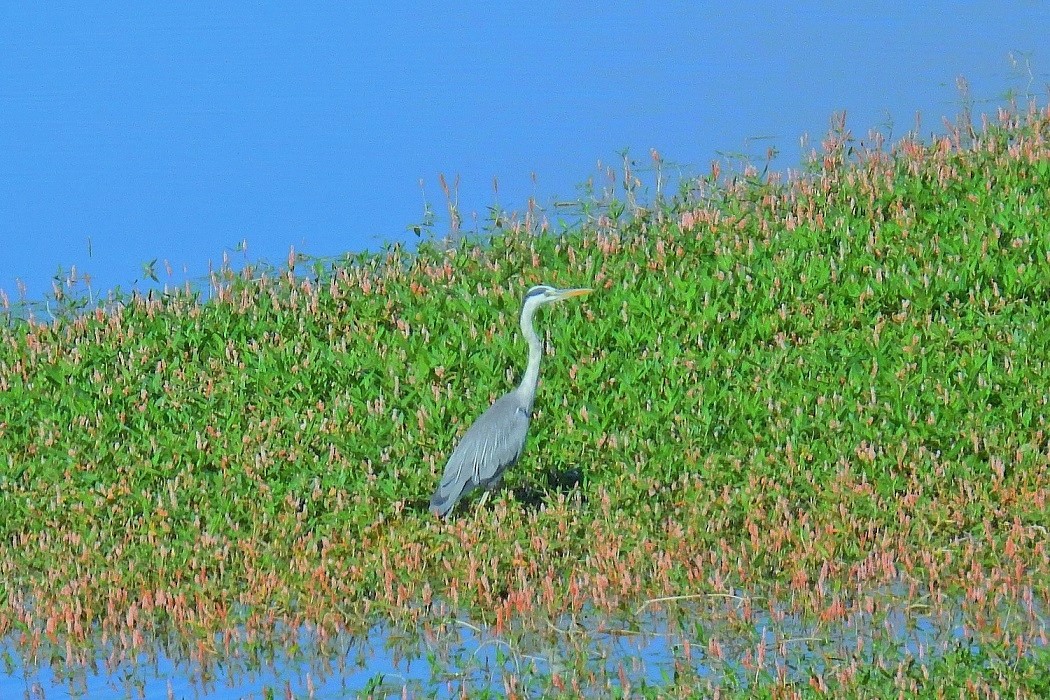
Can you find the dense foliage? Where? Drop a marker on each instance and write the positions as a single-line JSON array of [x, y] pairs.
[[806, 388]]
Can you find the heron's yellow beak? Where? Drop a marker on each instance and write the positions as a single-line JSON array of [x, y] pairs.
[[568, 293]]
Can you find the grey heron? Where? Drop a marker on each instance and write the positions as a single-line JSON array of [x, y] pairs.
[[496, 439]]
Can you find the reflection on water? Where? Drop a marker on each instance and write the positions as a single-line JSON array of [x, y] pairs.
[[706, 640]]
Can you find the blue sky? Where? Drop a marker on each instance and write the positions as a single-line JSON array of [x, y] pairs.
[[134, 131]]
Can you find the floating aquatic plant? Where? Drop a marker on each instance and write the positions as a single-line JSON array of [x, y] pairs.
[[804, 390]]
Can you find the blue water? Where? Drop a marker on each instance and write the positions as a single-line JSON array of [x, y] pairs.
[[714, 639], [140, 132]]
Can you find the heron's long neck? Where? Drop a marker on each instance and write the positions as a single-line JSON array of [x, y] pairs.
[[527, 388]]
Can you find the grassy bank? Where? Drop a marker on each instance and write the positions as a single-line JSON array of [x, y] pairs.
[[809, 389]]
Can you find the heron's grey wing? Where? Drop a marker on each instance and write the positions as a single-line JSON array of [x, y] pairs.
[[489, 446]]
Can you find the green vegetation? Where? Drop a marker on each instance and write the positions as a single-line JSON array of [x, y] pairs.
[[810, 390]]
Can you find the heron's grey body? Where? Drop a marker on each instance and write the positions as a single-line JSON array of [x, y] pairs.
[[496, 439]]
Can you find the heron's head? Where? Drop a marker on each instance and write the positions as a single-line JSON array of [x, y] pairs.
[[542, 294]]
